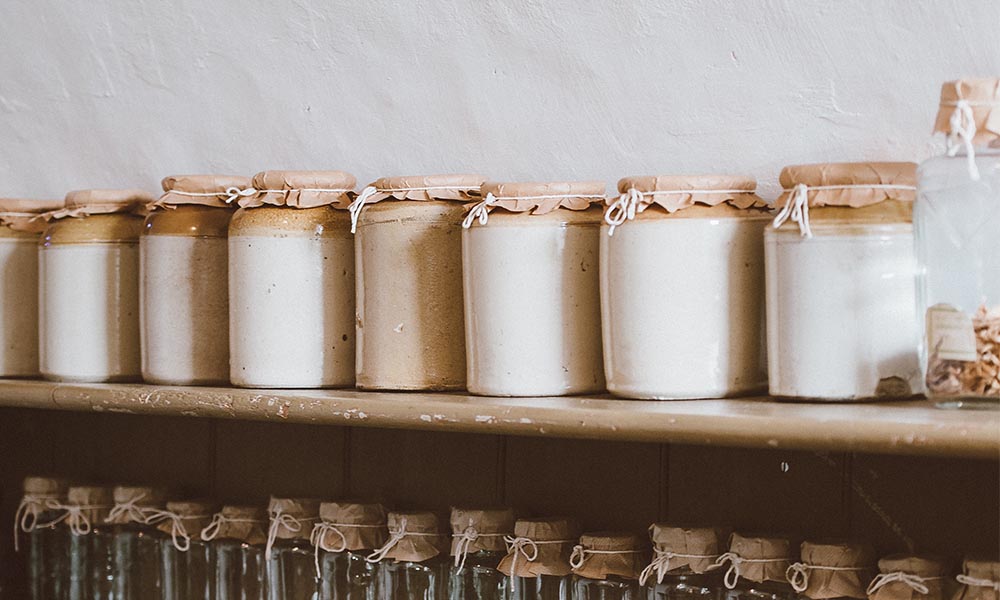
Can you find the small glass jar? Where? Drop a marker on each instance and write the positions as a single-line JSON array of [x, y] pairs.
[[841, 314], [20, 226], [829, 571], [757, 569], [898, 571], [537, 562], [345, 536], [291, 282], [683, 565], [980, 580], [36, 517], [957, 220], [184, 294], [236, 538], [86, 572], [88, 285], [409, 294], [413, 563], [532, 293], [291, 570], [135, 546], [478, 547], [700, 244], [184, 557], [606, 566]]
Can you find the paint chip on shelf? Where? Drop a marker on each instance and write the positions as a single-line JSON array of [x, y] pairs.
[[485, 419]]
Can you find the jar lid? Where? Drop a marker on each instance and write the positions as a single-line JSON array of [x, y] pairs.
[[832, 570], [134, 503], [83, 203], [971, 108], [677, 548], [908, 577], [292, 518], [21, 214], [538, 198], [540, 547], [475, 530], [220, 191], [599, 555], [980, 580], [91, 502], [421, 188], [350, 526], [299, 189], [414, 536], [756, 559], [245, 523]]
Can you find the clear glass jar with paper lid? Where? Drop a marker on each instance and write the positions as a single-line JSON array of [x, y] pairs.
[[832, 570], [841, 313], [184, 557], [683, 564], [413, 563], [682, 287], [957, 220], [756, 567], [607, 566], [88, 286], [291, 282], [409, 297], [81, 522], [35, 523], [909, 577], [135, 545], [477, 547], [537, 562], [347, 533], [532, 293], [980, 580], [20, 226], [184, 288], [236, 537], [291, 571]]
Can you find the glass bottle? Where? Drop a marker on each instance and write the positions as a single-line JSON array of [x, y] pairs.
[[606, 566], [413, 563], [184, 557], [832, 570], [762, 579], [236, 538], [135, 546], [683, 564], [537, 562], [291, 570], [36, 518], [957, 223], [343, 539], [478, 547]]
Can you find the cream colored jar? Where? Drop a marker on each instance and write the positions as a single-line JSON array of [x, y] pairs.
[[20, 226], [409, 282], [291, 282], [184, 284], [532, 298], [89, 287], [682, 288], [841, 307]]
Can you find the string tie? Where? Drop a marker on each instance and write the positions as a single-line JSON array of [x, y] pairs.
[[736, 561], [318, 539], [394, 538], [26, 515], [480, 212], [962, 124], [212, 530], [977, 582], [797, 209], [359, 203], [73, 515], [581, 554], [797, 574], [178, 533], [915, 582], [661, 564], [234, 193], [280, 519], [623, 209], [135, 513]]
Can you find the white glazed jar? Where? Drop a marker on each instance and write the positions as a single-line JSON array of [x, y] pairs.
[[184, 286], [20, 227], [291, 282], [89, 287], [532, 297], [409, 287], [841, 312], [682, 288]]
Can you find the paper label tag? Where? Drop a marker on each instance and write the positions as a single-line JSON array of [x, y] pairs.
[[950, 334]]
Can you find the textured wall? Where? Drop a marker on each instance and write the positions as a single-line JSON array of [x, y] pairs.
[[123, 92]]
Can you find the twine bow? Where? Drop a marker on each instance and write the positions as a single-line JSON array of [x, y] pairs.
[[354, 208], [73, 515], [915, 582], [280, 519], [523, 546], [480, 212], [394, 538], [318, 539], [211, 531], [797, 209], [661, 564], [736, 561], [623, 209], [234, 193], [135, 513], [178, 533], [962, 124], [797, 574], [580, 554], [977, 582], [26, 515]]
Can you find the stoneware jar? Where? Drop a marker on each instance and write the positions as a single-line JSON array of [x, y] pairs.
[[20, 226], [532, 298], [682, 287], [89, 287], [409, 286], [841, 311], [184, 285], [291, 282]]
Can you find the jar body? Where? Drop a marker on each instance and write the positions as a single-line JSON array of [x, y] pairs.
[[47, 558], [957, 222], [291, 572], [612, 588], [19, 299], [406, 580], [184, 296], [136, 562], [347, 576], [88, 560], [237, 569], [291, 298], [409, 296], [532, 297], [685, 587], [841, 315], [541, 587], [478, 579], [185, 574], [707, 342], [766, 590], [89, 299]]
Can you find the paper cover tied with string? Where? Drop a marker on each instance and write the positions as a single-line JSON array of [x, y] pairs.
[[602, 555], [215, 191], [979, 580], [414, 536], [756, 559], [540, 547], [973, 106], [350, 526], [83, 203], [182, 520], [417, 188], [909, 577], [832, 570], [38, 492], [248, 524], [479, 530], [680, 551], [133, 504], [25, 215]]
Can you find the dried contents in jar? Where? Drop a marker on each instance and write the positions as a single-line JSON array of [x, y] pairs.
[[980, 376]]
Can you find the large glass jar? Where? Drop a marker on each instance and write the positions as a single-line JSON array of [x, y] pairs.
[[291, 570], [236, 538], [683, 565], [908, 577], [532, 293], [413, 563], [184, 557], [36, 518], [184, 296], [606, 566], [345, 536], [88, 285], [409, 294], [832, 570], [957, 220], [757, 569], [537, 562], [841, 315], [135, 546], [20, 227], [478, 546], [291, 282], [86, 567], [699, 242]]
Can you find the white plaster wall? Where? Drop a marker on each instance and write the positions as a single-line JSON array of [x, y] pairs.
[[123, 92]]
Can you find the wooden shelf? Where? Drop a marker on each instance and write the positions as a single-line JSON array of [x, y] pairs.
[[915, 427]]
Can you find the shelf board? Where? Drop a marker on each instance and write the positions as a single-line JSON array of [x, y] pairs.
[[912, 427]]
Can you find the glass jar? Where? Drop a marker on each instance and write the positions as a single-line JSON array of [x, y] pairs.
[[478, 547], [413, 563], [701, 246], [832, 571], [236, 538], [20, 227], [532, 293], [957, 220], [184, 295], [185, 559], [36, 517], [291, 282], [409, 295], [345, 536], [683, 584], [683, 565], [841, 315], [86, 571], [606, 566], [757, 569], [898, 572], [291, 570], [88, 282], [980, 580], [135, 546], [537, 562]]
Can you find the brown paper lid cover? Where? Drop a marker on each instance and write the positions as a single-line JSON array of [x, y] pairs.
[[82, 203], [833, 570], [757, 559], [133, 503], [540, 547], [901, 575], [282, 512], [980, 580], [850, 184], [245, 523], [351, 526], [414, 537], [477, 530], [696, 549], [676, 192], [300, 189], [544, 197], [454, 187], [21, 214], [204, 190], [983, 99], [52, 487], [94, 502], [599, 555], [192, 517]]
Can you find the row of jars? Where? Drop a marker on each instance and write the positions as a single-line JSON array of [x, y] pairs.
[[128, 543], [667, 290]]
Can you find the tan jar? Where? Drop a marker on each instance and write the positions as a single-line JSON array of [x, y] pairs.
[[89, 287], [184, 284], [20, 226], [409, 294], [291, 282]]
